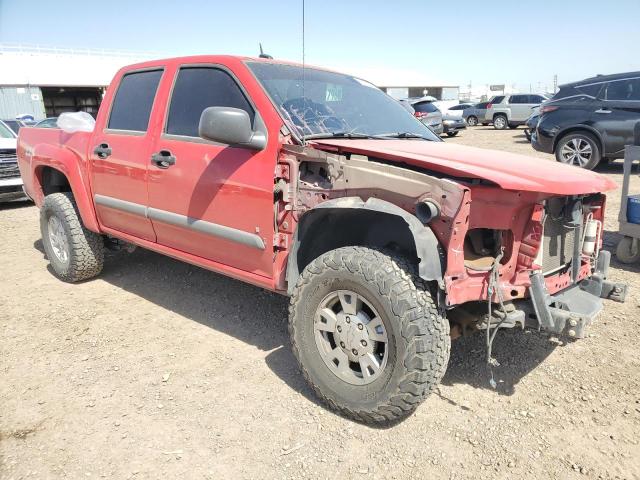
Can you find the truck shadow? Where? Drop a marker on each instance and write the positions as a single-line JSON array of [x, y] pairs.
[[258, 317]]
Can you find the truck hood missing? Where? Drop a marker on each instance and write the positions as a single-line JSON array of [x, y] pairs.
[[509, 171]]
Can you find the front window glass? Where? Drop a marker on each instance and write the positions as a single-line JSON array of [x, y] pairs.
[[332, 104], [5, 132]]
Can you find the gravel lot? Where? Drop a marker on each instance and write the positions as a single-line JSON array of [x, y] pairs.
[[158, 369]]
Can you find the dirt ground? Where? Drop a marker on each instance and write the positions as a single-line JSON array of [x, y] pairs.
[[158, 369]]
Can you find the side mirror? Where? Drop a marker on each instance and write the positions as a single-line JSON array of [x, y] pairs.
[[231, 126]]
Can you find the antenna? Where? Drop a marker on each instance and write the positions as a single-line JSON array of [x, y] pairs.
[[264, 55], [304, 99]]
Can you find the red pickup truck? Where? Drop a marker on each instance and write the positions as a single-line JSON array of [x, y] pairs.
[[319, 186]]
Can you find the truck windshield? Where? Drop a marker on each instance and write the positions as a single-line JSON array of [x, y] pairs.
[[335, 105], [5, 132]]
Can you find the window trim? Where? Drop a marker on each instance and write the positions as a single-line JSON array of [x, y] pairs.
[[133, 133], [186, 138]]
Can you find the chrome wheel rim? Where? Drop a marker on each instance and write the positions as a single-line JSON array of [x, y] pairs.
[[472, 121], [576, 151], [58, 239], [499, 122], [351, 337]]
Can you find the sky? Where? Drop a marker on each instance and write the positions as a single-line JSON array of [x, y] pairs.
[[447, 42]]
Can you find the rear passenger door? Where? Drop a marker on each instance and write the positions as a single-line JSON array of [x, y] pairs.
[[519, 106], [119, 155], [212, 200], [618, 113]]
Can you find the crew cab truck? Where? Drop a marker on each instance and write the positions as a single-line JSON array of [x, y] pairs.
[[319, 186]]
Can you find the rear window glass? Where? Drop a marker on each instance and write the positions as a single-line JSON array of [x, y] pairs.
[[482, 105], [497, 99], [591, 90], [425, 107], [133, 101]]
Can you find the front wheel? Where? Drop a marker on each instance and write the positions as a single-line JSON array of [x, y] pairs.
[[74, 252], [452, 134], [579, 149], [367, 334]]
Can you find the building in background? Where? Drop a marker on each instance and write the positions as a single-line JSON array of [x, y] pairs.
[[46, 81]]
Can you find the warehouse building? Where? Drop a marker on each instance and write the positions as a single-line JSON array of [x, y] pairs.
[[45, 82]]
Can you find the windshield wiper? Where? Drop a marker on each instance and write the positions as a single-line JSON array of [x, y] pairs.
[[343, 135], [403, 135]]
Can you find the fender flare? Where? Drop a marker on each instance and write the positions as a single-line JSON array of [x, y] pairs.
[[431, 265], [68, 164]]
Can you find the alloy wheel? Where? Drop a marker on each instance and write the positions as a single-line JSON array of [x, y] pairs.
[[58, 239], [577, 151], [351, 337]]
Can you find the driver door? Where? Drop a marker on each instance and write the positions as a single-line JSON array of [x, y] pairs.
[[209, 199]]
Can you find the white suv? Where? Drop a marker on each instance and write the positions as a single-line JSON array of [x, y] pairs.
[[512, 110]]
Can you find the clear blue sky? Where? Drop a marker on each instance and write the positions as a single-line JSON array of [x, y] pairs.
[[454, 41]]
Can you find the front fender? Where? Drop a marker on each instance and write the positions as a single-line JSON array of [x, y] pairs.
[[68, 163], [430, 267]]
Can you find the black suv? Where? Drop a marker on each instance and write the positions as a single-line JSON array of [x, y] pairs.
[[590, 120]]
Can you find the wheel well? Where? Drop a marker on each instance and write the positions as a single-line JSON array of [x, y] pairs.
[[53, 181], [323, 230], [500, 114], [571, 130]]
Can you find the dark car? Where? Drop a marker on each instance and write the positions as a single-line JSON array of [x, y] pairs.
[[452, 125], [590, 120], [476, 114]]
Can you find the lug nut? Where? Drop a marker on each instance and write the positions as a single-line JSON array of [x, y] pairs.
[[339, 328], [348, 320], [363, 342], [360, 327], [354, 351], [342, 344]]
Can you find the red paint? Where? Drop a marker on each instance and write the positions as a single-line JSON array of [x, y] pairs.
[[234, 187]]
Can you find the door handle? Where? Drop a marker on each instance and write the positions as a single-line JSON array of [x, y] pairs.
[[163, 159], [603, 110], [102, 151]]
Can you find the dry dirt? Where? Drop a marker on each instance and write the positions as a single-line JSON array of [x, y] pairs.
[[158, 369]]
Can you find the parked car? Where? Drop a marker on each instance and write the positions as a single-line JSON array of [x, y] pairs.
[[50, 122], [427, 113], [510, 111], [10, 181], [452, 125], [590, 120], [16, 124], [476, 114], [456, 111], [334, 195]]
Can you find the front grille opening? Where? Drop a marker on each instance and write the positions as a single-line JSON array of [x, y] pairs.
[[558, 239]]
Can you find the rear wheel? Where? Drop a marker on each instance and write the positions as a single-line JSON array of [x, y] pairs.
[[74, 252], [472, 120], [452, 134], [628, 250], [367, 334], [500, 122], [579, 149]]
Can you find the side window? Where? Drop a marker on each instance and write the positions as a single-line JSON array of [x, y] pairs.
[[536, 99], [624, 90], [133, 101], [456, 107], [197, 88], [591, 90], [516, 99]]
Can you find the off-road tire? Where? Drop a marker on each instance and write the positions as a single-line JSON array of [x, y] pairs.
[[419, 341], [86, 248], [498, 124], [472, 120], [452, 134]]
